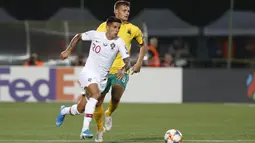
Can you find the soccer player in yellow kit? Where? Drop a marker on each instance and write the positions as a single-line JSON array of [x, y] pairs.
[[127, 32]]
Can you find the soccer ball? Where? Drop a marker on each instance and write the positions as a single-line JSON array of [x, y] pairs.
[[173, 136]]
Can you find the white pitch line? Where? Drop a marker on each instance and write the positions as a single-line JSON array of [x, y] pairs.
[[135, 141]]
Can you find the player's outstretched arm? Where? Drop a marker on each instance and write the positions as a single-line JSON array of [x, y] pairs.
[[142, 53], [127, 64], [143, 50], [74, 41], [125, 68], [139, 63], [70, 47]]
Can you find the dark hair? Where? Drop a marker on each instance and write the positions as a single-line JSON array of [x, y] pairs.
[[120, 3], [112, 19]]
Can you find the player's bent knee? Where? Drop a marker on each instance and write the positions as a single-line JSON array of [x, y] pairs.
[[93, 91]]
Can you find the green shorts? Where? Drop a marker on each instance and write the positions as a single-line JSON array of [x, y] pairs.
[[112, 80]]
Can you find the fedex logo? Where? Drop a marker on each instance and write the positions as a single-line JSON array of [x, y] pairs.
[[21, 85]]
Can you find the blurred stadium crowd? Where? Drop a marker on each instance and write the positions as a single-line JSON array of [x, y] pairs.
[[178, 54]]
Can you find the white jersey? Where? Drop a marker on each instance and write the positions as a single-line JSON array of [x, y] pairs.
[[102, 54]]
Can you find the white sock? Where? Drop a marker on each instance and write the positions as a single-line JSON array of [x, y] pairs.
[[70, 110], [88, 114], [65, 111]]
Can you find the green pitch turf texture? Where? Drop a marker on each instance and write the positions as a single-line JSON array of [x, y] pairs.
[[132, 123]]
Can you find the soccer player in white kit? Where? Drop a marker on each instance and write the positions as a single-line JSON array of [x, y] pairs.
[[93, 78]]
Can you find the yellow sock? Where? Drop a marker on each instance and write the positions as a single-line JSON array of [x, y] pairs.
[[112, 107], [98, 115]]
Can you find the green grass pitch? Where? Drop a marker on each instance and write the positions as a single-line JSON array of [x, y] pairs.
[[132, 123]]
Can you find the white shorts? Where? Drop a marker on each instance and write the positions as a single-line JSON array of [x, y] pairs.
[[86, 78]]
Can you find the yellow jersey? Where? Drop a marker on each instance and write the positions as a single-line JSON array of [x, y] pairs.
[[127, 32]]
